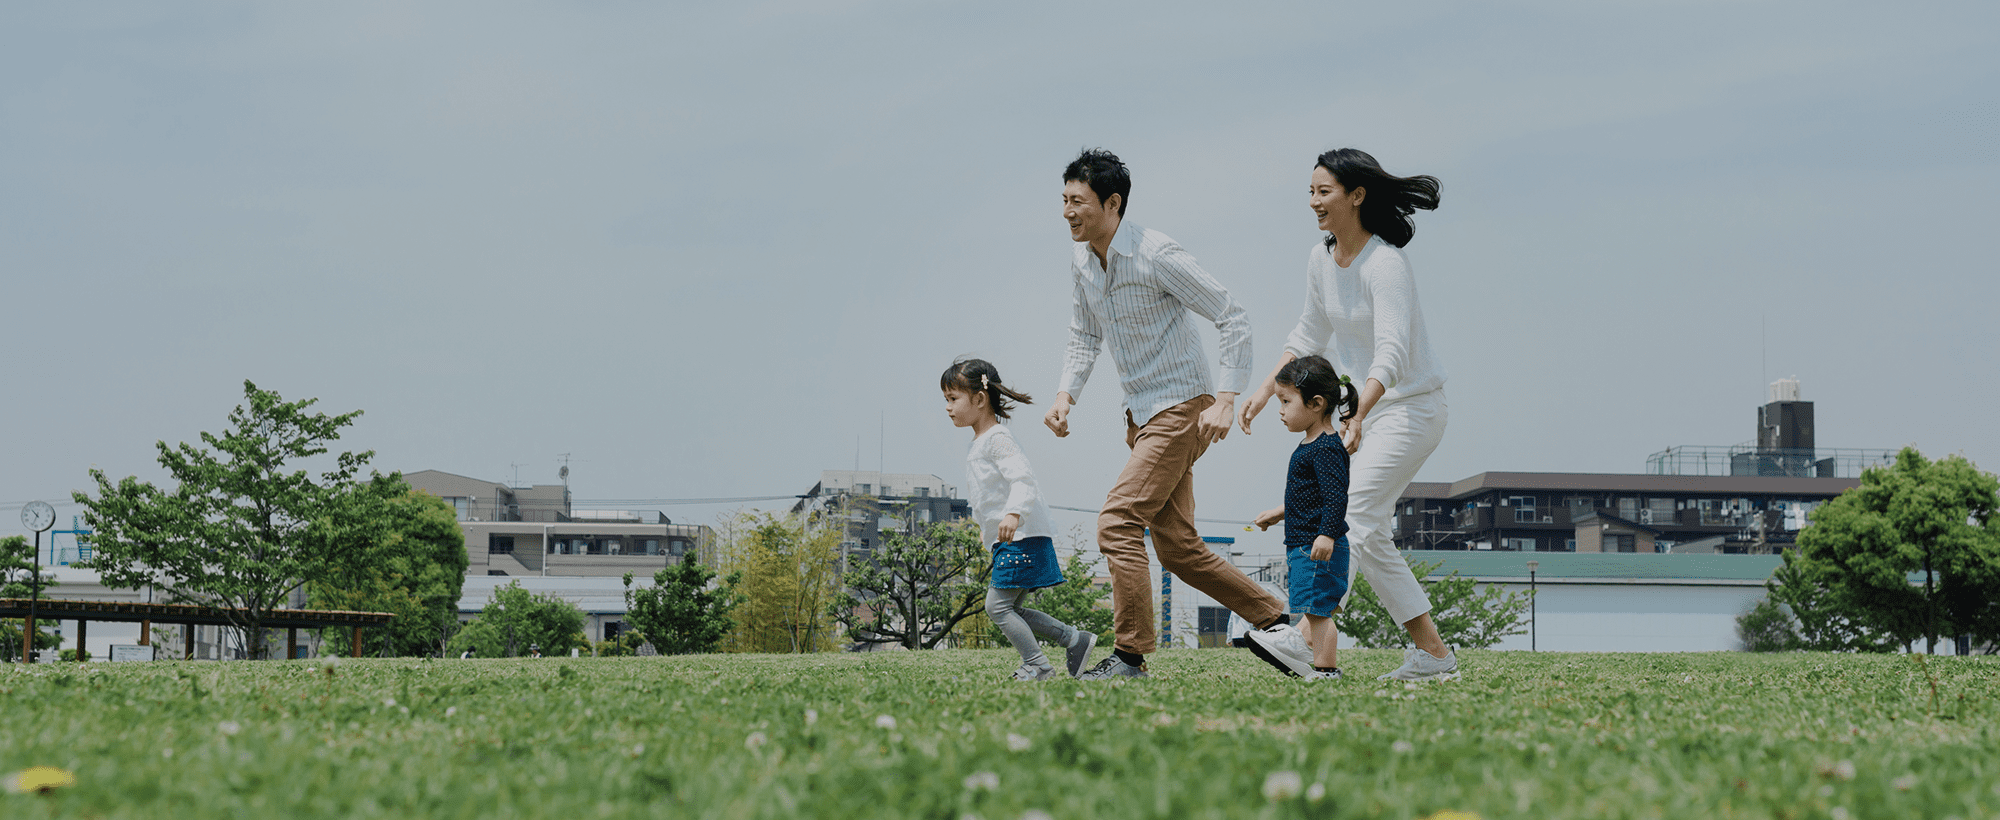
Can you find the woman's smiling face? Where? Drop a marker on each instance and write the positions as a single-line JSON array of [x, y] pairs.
[[1335, 206]]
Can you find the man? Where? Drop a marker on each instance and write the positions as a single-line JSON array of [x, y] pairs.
[[1135, 288]]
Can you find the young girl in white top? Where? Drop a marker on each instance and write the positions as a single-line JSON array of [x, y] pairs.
[[1012, 518]]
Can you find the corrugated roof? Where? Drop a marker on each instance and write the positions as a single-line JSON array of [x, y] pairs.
[[1611, 566]]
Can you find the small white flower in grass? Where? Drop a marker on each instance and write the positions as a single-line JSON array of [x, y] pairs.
[[1017, 743], [1316, 792], [229, 727], [1402, 746], [167, 753], [1381, 693], [388, 701], [1904, 783], [638, 749], [885, 722], [1844, 770], [1410, 686], [1838, 813], [755, 741], [1282, 786], [1035, 814], [812, 716], [1079, 696], [450, 710], [982, 781]]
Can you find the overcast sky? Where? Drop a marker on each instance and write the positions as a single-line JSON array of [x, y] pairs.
[[710, 250]]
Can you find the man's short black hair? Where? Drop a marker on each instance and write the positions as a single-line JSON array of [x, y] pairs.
[[1101, 170]]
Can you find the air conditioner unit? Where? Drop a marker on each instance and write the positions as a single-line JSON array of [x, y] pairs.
[[1548, 519], [1646, 516]]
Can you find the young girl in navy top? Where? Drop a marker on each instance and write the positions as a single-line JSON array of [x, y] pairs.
[[1012, 518], [1315, 514]]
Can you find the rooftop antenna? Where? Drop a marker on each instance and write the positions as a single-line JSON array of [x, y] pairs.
[[517, 472], [563, 472]]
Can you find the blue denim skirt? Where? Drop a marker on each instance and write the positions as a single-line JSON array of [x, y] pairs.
[[1316, 587], [1029, 563]]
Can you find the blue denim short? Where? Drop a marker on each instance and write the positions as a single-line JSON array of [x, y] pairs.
[[1316, 587], [1028, 563]]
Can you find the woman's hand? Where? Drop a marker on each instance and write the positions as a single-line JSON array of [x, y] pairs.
[[1008, 524], [1322, 549], [1350, 433], [1254, 405], [1265, 519]]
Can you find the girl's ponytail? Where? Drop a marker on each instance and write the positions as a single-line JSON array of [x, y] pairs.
[[980, 376], [1313, 377]]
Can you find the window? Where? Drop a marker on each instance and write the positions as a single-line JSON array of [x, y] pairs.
[[499, 572], [677, 546], [1518, 544], [863, 489], [1524, 515], [652, 546], [922, 492], [463, 505], [1211, 626], [500, 544], [1625, 542]]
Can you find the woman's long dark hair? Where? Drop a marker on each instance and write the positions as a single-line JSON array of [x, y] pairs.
[[980, 376], [1386, 210]]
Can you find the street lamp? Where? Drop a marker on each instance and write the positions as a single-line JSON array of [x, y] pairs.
[[1532, 566]]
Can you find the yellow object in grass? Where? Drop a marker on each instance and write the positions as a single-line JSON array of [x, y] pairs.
[[1452, 814], [39, 779]]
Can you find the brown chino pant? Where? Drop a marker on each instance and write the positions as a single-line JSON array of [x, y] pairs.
[[1156, 490]]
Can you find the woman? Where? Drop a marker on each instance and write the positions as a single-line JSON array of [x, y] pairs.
[[1362, 312]]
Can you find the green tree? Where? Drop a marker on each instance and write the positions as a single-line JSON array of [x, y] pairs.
[[1933, 520], [916, 586], [1767, 627], [1466, 614], [17, 574], [687, 610], [239, 530], [788, 566], [515, 619], [1816, 622], [395, 550]]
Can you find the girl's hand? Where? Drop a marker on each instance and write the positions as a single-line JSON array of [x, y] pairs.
[[1265, 519], [1322, 549], [1254, 405], [1008, 524]]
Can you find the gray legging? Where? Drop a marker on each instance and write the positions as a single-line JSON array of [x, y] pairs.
[[1021, 624]]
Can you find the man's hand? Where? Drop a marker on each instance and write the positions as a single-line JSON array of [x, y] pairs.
[[1322, 549], [1265, 519], [1058, 416], [1254, 405], [1008, 524], [1215, 421]]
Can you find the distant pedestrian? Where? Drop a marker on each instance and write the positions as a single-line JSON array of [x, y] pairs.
[[466, 655], [1013, 519], [1134, 288], [534, 650], [1362, 311], [1315, 515]]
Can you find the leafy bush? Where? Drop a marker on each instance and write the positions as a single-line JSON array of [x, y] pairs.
[[1466, 615]]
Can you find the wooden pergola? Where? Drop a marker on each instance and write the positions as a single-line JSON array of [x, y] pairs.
[[83, 612]]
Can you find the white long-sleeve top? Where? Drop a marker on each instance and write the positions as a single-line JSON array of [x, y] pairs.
[[999, 481], [1140, 305], [1366, 320]]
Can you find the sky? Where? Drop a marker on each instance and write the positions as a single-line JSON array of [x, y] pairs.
[[710, 250]]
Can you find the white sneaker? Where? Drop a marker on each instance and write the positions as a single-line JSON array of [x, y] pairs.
[[1031, 672], [1284, 648], [1324, 677], [1421, 665]]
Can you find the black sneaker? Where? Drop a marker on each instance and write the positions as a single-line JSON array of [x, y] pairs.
[[1112, 667]]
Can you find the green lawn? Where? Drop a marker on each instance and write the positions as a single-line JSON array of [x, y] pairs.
[[1522, 735]]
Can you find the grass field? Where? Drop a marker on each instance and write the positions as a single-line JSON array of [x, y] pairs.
[[939, 735]]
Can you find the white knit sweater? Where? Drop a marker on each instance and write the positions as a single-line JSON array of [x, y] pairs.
[[1368, 311], [999, 481]]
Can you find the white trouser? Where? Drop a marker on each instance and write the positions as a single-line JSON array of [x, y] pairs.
[[1396, 438]]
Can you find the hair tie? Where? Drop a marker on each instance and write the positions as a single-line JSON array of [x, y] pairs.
[[1345, 380], [983, 383]]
